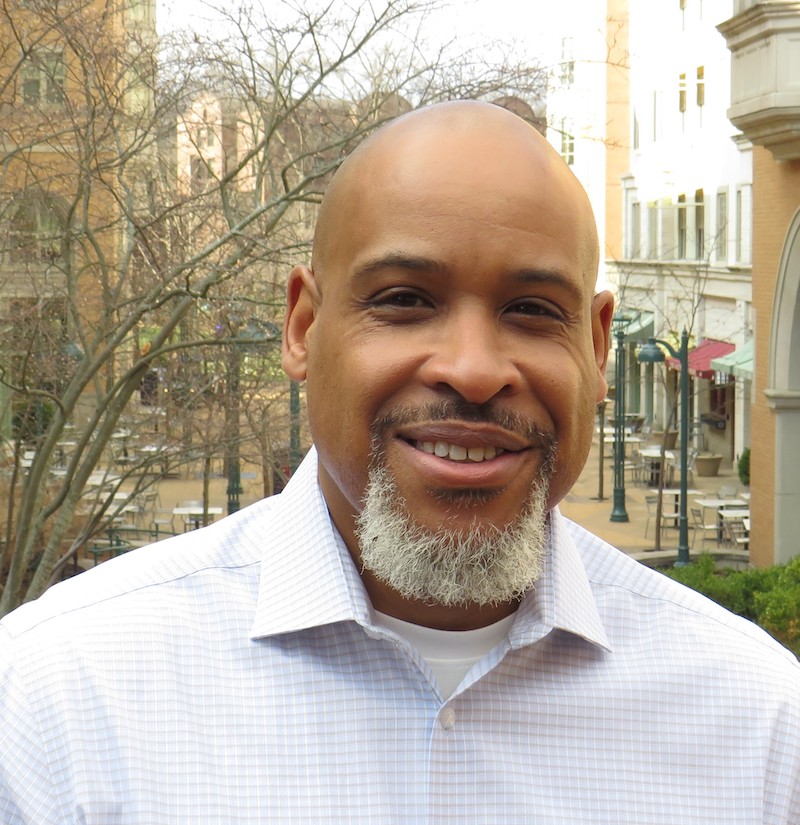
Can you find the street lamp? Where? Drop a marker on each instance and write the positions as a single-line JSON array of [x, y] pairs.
[[618, 511], [251, 336], [650, 353]]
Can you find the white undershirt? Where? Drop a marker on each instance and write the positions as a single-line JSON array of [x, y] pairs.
[[450, 653]]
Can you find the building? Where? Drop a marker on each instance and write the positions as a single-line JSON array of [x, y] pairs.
[[681, 248], [764, 43], [77, 93]]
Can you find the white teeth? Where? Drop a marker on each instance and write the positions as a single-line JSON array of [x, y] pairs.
[[481, 453], [455, 452]]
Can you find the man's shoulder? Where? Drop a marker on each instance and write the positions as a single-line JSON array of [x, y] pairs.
[[226, 553], [637, 602]]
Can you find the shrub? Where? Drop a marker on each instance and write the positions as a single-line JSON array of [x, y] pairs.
[[768, 596], [744, 467]]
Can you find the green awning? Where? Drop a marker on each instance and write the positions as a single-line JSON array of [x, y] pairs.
[[639, 325], [738, 363]]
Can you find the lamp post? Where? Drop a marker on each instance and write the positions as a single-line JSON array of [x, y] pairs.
[[618, 511], [294, 426], [251, 336], [650, 353]]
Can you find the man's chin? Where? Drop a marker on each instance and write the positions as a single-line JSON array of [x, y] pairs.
[[466, 556]]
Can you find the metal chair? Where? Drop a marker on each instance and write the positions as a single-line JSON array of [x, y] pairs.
[[708, 530]]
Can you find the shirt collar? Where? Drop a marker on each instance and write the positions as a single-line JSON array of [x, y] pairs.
[[308, 577], [562, 599]]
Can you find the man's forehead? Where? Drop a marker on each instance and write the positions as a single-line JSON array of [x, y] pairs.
[[432, 142], [474, 153]]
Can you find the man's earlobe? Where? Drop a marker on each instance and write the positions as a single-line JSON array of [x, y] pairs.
[[300, 311]]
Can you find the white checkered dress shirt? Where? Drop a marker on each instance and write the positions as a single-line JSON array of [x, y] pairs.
[[235, 675]]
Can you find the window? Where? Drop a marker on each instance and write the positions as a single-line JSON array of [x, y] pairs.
[[652, 231], [743, 224], [655, 115], [205, 133], [200, 174], [37, 354], [701, 86], [567, 143], [719, 398], [721, 233], [567, 62], [35, 231], [634, 234], [699, 225], [738, 224], [635, 131], [42, 77], [681, 226], [682, 92]]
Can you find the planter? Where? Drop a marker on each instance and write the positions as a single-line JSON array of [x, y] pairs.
[[671, 439], [707, 465]]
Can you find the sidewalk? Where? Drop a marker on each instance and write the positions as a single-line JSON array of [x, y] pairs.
[[581, 505]]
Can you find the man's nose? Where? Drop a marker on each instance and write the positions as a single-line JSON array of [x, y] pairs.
[[474, 358]]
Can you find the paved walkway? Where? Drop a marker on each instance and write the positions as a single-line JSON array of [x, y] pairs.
[[581, 504]]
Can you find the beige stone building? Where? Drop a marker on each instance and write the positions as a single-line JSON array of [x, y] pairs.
[[764, 41]]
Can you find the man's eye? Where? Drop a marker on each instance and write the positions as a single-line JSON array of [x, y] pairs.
[[534, 309], [401, 299]]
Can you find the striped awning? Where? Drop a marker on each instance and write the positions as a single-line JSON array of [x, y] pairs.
[[700, 358], [738, 363]]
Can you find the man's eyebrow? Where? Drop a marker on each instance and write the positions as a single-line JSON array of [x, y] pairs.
[[421, 263], [549, 276], [398, 260]]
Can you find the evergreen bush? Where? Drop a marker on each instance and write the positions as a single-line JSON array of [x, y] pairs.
[[744, 467]]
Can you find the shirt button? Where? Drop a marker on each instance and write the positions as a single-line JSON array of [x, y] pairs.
[[447, 718]]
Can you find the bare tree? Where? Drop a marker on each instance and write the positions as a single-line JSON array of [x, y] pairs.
[[152, 197]]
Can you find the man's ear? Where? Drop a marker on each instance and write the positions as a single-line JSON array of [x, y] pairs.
[[302, 300], [602, 316]]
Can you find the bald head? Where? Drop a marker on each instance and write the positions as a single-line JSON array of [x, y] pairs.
[[454, 264], [451, 147]]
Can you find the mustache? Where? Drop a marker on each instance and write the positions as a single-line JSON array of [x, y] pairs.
[[460, 410]]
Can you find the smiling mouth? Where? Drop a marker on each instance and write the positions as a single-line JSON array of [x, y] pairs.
[[457, 452]]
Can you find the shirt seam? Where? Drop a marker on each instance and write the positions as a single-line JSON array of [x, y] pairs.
[[694, 611], [68, 611]]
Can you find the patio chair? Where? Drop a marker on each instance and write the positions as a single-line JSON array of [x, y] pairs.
[[734, 534], [708, 530]]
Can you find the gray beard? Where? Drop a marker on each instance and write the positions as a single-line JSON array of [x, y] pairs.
[[476, 564]]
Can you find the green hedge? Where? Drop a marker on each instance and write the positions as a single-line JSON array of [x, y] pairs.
[[768, 596]]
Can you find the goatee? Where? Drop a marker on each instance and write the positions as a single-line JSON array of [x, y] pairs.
[[473, 563]]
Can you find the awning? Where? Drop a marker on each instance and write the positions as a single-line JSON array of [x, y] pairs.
[[638, 325], [700, 358], [738, 363]]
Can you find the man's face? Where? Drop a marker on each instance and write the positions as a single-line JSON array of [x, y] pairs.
[[454, 334]]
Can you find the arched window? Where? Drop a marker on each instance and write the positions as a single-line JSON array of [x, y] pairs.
[[34, 230]]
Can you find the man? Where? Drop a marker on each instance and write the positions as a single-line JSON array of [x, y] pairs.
[[410, 632]]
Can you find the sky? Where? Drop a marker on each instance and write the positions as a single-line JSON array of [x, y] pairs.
[[472, 22]]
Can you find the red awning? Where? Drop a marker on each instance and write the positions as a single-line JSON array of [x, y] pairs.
[[700, 358]]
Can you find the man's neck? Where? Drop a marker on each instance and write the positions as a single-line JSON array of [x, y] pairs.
[[437, 616]]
